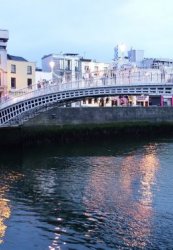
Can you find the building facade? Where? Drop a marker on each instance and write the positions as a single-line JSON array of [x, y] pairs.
[[157, 63], [20, 73], [90, 68], [64, 67], [136, 56], [4, 36], [42, 77]]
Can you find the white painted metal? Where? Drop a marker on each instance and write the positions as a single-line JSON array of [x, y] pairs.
[[25, 103]]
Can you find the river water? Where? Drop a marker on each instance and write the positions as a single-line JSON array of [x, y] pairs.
[[105, 196]]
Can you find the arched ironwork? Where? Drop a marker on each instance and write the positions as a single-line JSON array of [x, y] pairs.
[[25, 103]]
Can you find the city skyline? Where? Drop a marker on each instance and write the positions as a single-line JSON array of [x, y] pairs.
[[89, 28]]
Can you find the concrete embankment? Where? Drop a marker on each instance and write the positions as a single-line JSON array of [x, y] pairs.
[[73, 116], [64, 125]]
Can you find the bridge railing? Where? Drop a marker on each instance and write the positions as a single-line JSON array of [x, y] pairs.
[[111, 79]]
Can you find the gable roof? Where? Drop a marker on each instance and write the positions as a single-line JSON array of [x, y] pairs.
[[16, 58]]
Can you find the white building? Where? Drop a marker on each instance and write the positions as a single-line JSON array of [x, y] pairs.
[[42, 77], [65, 67], [157, 63], [90, 68], [4, 36]]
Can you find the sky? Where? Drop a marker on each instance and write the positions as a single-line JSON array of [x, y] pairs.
[[91, 28]]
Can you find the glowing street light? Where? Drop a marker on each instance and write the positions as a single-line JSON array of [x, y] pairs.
[[52, 65], [122, 47]]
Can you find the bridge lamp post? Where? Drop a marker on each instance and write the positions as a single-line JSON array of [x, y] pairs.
[[52, 65], [122, 48]]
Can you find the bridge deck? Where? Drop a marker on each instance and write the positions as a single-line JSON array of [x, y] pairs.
[[27, 102]]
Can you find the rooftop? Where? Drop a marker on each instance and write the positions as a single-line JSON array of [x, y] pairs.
[[70, 54], [16, 58], [85, 60], [60, 55], [4, 34], [163, 60]]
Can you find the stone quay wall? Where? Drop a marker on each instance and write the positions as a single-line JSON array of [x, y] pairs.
[[72, 116]]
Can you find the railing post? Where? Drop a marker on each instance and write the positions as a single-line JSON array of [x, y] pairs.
[[139, 76]]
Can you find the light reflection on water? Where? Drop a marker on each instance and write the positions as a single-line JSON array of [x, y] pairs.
[[54, 200], [5, 212]]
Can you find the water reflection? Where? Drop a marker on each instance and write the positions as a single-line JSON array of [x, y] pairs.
[[124, 186], [5, 211], [102, 201], [141, 210], [4, 214]]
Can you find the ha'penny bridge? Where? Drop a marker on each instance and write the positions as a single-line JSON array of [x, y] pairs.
[[24, 104]]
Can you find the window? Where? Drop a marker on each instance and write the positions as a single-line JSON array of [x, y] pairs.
[[67, 64], [76, 65], [96, 68], [86, 68], [13, 68], [105, 69], [29, 83], [89, 100], [95, 100], [61, 64], [29, 70], [13, 82]]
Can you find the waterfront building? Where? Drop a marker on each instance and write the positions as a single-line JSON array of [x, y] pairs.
[[20, 73], [117, 101], [89, 70], [157, 63], [42, 77], [69, 67], [136, 57], [64, 67], [108, 101], [92, 68], [4, 36]]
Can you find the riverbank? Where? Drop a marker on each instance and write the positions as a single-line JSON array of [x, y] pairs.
[[64, 134], [65, 125]]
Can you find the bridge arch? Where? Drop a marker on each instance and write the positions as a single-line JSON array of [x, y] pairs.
[[26, 103]]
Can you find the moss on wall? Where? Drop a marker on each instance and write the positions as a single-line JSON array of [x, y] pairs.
[[19, 136]]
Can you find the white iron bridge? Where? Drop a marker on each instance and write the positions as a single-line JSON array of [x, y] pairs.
[[24, 104]]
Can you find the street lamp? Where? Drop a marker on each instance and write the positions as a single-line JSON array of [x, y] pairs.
[[52, 65], [122, 49]]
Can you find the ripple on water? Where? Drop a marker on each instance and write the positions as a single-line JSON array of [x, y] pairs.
[[119, 201]]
